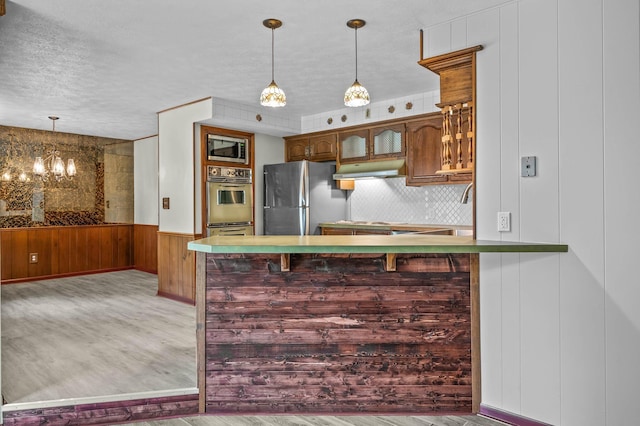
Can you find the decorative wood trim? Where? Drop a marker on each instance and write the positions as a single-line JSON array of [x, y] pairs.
[[510, 418], [474, 284], [390, 265], [456, 71], [201, 324], [285, 262], [451, 59], [3, 8]]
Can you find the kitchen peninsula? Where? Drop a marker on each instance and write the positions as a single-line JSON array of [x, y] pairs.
[[341, 323]]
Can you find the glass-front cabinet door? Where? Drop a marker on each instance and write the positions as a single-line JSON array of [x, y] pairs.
[[353, 146], [388, 141]]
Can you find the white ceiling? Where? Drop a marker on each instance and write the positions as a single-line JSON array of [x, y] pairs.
[[107, 67]]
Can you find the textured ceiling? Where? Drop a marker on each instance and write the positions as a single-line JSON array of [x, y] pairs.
[[107, 67]]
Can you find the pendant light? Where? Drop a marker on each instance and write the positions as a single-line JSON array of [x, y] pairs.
[[272, 95], [356, 95], [53, 164]]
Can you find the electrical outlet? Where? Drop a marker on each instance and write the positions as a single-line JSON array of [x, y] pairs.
[[33, 257], [504, 221]]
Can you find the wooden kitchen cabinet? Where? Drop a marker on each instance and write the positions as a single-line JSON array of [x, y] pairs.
[[329, 230], [372, 143], [296, 149], [336, 231], [387, 141], [323, 147], [424, 150], [353, 146]]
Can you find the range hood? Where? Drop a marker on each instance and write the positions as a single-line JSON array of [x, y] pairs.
[[371, 169]]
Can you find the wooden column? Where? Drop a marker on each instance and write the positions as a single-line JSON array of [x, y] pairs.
[[476, 382], [201, 300]]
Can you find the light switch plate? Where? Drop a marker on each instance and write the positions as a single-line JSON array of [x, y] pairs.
[[528, 166]]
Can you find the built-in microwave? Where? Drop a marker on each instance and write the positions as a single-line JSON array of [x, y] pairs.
[[227, 148]]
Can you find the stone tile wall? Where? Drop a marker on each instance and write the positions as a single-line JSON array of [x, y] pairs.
[[25, 200]]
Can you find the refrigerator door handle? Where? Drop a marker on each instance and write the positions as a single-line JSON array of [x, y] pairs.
[[304, 223], [304, 189]]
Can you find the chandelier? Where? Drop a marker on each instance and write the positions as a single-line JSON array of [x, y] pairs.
[[52, 164], [272, 95], [356, 95]]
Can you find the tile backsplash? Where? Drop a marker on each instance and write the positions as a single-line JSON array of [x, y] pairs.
[[390, 200]]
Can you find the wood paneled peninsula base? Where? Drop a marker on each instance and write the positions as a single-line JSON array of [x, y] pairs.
[[340, 324]]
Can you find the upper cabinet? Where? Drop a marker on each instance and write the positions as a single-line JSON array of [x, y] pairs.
[[353, 146], [387, 141], [372, 143], [457, 71], [423, 152], [321, 147]]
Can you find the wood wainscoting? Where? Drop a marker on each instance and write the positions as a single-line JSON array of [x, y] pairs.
[[64, 250], [145, 248], [176, 267]]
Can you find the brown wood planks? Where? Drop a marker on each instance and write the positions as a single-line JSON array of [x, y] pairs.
[[337, 333]]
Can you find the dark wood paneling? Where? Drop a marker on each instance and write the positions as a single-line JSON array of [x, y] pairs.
[[65, 250], [107, 241], [20, 249], [338, 334], [125, 244], [145, 248], [176, 267], [94, 248], [107, 413], [7, 258]]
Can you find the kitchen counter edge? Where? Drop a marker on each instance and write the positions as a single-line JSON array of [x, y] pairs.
[[407, 243]]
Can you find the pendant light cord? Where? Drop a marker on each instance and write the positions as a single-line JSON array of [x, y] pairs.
[[356, 29], [272, 44]]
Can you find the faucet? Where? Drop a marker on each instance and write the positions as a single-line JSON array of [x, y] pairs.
[[465, 194]]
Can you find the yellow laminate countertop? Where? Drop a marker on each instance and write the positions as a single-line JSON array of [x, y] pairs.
[[404, 243]]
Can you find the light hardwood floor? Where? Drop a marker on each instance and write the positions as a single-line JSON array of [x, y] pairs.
[[324, 421], [94, 335], [106, 334]]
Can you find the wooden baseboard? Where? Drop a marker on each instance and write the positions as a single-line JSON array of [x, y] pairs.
[[510, 418], [176, 297], [67, 275], [149, 271]]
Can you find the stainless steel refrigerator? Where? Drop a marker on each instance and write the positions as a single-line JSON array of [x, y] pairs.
[[299, 195]]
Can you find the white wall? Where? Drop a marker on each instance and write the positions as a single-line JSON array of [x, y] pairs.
[[267, 150], [176, 165], [145, 181], [558, 79]]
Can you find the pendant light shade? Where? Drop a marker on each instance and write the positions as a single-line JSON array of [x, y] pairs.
[[357, 94], [272, 95]]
